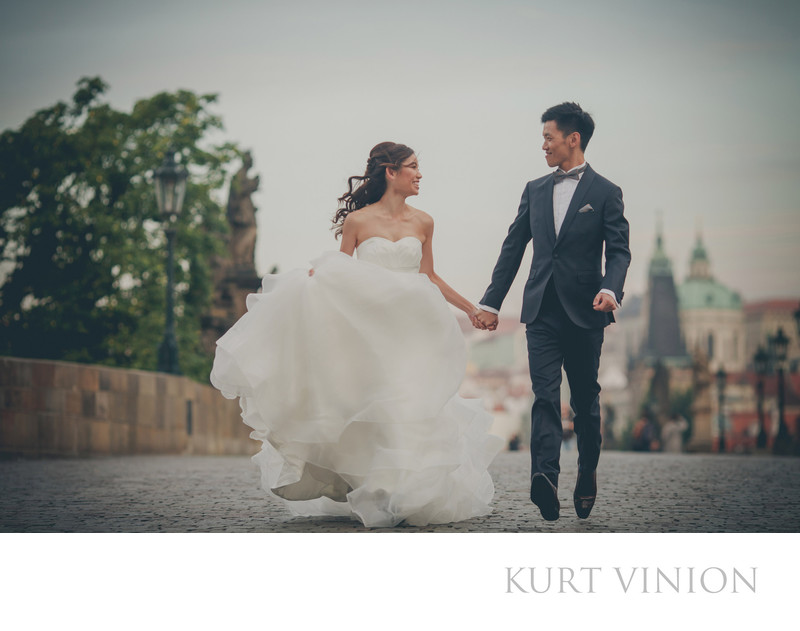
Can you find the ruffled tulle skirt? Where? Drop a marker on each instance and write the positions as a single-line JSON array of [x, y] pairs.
[[349, 379]]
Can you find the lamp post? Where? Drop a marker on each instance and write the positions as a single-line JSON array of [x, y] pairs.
[[797, 419], [778, 345], [761, 361], [170, 185], [722, 378], [797, 320]]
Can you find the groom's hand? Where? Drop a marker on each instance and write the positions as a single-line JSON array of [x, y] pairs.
[[487, 321], [603, 302]]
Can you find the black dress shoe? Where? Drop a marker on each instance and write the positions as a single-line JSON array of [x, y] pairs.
[[545, 496], [585, 493]]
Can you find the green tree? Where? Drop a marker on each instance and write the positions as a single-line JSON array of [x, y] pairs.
[[82, 249]]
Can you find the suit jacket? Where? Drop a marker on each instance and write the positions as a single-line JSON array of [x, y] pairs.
[[573, 260]]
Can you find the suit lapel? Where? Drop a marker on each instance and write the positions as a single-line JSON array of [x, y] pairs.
[[549, 220], [577, 201]]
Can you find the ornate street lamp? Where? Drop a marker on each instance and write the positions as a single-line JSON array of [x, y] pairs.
[[761, 361], [778, 346], [170, 185], [797, 320], [722, 378], [797, 419]]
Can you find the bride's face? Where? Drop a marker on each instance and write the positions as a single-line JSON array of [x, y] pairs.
[[406, 178]]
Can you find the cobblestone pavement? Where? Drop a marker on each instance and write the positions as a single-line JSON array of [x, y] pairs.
[[637, 493]]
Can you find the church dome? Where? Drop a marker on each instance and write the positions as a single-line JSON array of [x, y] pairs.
[[700, 290], [706, 293]]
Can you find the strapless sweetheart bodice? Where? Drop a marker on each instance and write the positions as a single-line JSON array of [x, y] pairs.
[[403, 255]]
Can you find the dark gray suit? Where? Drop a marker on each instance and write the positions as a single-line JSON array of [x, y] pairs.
[[562, 327]]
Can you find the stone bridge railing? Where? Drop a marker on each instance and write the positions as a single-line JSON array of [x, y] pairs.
[[52, 408]]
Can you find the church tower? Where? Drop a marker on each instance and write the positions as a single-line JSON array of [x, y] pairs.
[[663, 341], [699, 265]]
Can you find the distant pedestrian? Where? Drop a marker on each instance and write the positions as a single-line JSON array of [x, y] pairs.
[[645, 435], [672, 433]]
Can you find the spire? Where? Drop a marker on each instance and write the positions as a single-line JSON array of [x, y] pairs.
[[699, 265], [664, 339], [660, 265]]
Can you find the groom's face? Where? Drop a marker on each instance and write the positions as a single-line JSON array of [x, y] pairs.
[[557, 148]]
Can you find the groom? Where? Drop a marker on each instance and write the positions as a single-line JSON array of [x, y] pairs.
[[571, 215]]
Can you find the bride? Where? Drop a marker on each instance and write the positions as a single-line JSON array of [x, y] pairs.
[[348, 373]]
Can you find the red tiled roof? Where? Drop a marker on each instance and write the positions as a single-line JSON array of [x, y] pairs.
[[775, 304]]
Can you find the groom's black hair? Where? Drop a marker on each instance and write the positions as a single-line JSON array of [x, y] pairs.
[[569, 118]]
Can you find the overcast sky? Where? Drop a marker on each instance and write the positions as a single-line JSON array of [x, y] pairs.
[[695, 104]]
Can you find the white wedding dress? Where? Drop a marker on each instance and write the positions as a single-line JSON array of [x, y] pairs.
[[349, 378]]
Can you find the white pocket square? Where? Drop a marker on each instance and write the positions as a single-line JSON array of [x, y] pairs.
[[586, 209]]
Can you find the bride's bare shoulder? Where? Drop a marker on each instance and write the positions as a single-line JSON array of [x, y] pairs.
[[420, 215], [356, 217], [424, 220]]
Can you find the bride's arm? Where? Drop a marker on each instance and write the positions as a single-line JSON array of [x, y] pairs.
[[348, 239], [349, 232], [426, 267]]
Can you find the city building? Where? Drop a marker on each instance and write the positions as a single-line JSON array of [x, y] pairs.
[[762, 319], [711, 315]]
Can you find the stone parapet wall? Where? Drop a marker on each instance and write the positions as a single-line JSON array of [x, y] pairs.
[[52, 408]]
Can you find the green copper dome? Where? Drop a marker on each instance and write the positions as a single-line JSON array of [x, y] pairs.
[[700, 290], [706, 293]]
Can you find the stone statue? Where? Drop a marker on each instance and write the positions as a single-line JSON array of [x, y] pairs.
[[242, 216], [701, 439], [658, 399], [234, 275]]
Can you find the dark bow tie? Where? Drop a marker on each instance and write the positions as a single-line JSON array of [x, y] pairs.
[[560, 174]]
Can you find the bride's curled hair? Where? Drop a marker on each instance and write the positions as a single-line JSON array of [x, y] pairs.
[[372, 185]]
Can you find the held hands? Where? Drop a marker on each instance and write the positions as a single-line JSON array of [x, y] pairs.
[[603, 302], [486, 321], [483, 320]]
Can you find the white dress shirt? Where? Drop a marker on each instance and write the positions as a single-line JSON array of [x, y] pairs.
[[562, 196]]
